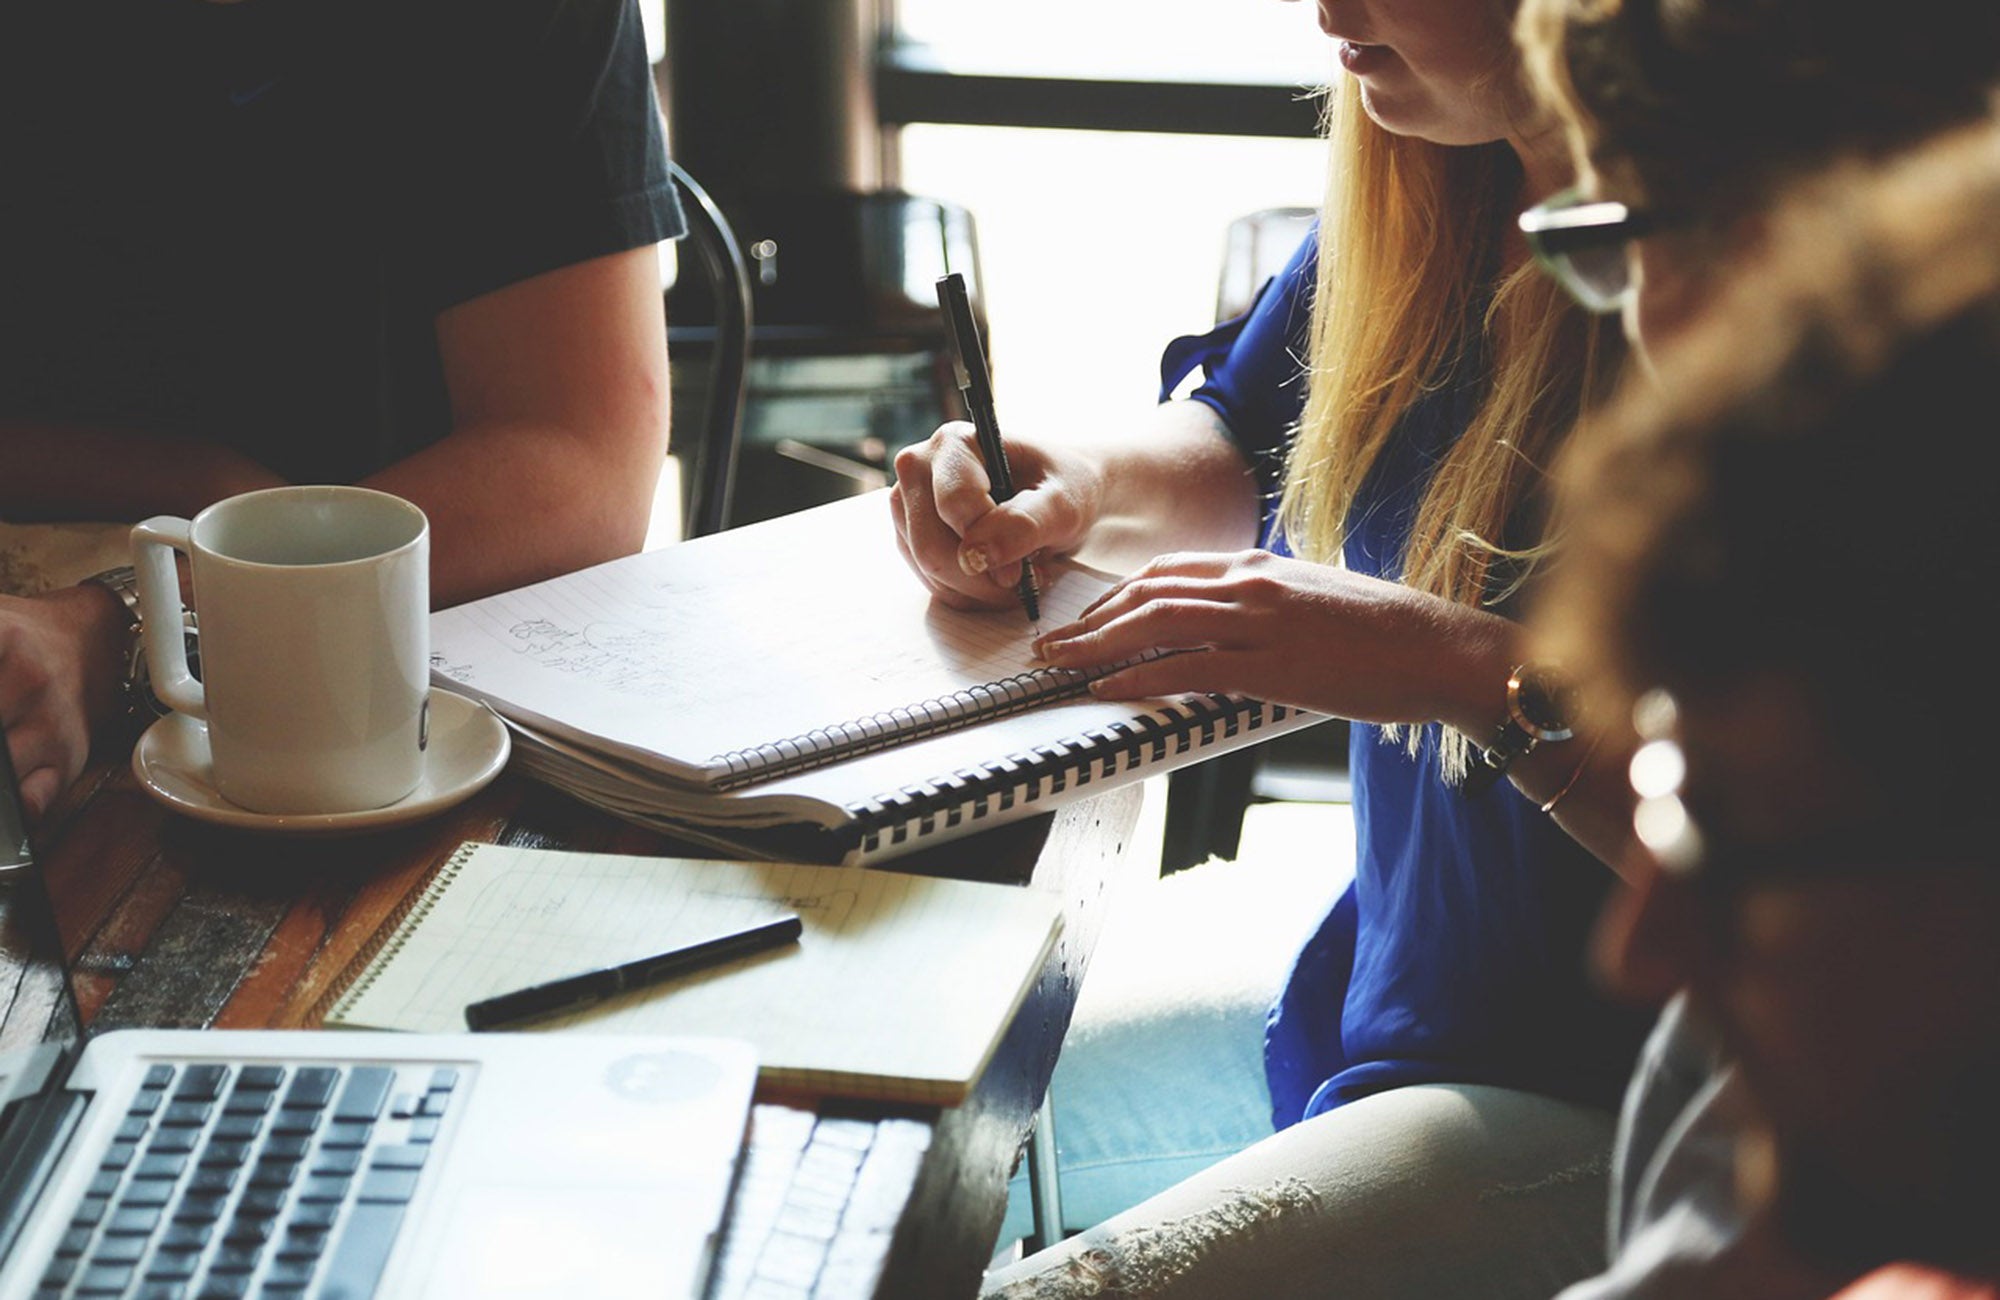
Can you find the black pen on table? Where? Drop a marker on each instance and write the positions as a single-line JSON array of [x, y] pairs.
[[575, 991], [968, 363]]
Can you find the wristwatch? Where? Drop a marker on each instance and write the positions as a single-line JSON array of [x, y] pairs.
[[1537, 712], [141, 705]]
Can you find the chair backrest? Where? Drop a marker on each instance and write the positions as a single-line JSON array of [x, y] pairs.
[[1257, 247], [710, 469], [847, 360]]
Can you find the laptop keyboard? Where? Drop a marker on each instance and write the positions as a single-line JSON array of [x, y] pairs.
[[228, 1180]]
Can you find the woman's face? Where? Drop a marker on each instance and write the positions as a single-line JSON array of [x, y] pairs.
[[1441, 70], [1858, 989], [1667, 291], [1669, 270], [1677, 273]]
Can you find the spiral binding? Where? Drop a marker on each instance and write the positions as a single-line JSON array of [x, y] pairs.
[[899, 726], [974, 793], [368, 964]]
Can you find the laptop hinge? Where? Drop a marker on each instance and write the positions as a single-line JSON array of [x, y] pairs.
[[38, 1131]]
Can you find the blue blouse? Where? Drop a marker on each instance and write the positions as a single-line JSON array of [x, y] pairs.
[[1458, 954]]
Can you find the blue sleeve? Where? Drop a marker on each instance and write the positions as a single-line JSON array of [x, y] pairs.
[[1253, 369]]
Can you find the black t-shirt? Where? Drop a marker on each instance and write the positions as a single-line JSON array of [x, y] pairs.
[[240, 221]]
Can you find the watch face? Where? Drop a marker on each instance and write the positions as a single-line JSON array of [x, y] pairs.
[[1538, 699]]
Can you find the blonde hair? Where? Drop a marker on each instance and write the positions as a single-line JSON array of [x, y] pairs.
[[1410, 247]]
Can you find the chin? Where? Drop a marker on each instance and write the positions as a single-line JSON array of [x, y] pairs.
[[1849, 1220], [1412, 116]]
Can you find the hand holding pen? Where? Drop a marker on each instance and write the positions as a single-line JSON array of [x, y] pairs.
[[975, 384]]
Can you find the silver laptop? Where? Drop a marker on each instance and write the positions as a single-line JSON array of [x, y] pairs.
[[191, 1163]]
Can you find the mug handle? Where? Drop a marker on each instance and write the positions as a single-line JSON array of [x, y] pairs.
[[153, 545]]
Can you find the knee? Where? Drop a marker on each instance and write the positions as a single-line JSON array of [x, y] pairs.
[[1159, 1258]]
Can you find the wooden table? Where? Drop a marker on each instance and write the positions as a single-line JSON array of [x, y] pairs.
[[169, 923]]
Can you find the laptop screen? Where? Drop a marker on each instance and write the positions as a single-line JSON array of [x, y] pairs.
[[37, 1005], [15, 854]]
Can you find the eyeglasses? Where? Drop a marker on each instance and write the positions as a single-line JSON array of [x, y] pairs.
[[1658, 771], [1583, 244]]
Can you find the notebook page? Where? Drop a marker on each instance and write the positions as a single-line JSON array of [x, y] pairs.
[[900, 986], [679, 656]]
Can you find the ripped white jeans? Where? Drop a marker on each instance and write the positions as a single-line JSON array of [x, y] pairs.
[[1438, 1192]]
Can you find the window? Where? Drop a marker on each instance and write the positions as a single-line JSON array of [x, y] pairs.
[[1184, 41], [1097, 246]]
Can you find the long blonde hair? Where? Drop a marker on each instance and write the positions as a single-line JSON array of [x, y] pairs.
[[1411, 245]]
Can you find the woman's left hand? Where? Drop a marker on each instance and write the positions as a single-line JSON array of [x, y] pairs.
[[1293, 632]]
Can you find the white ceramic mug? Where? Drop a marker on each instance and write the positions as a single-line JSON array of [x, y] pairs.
[[314, 606]]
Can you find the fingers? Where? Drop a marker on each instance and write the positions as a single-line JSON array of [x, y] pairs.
[[1179, 574], [994, 539], [39, 789], [961, 490], [1185, 602], [1165, 624], [1003, 537], [939, 592], [930, 547], [41, 703], [1198, 672], [949, 529], [45, 762]]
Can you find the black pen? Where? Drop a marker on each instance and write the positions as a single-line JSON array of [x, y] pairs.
[[968, 363], [574, 991]]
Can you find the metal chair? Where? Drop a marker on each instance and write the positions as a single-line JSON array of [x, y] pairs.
[[1206, 802], [848, 354], [710, 473]]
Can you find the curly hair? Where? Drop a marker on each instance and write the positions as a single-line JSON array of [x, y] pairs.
[[1715, 104], [1810, 490]]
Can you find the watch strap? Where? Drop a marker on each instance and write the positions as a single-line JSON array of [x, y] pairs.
[[1511, 743], [1534, 715], [122, 582], [141, 705]]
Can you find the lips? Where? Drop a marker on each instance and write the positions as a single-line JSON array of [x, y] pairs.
[[1360, 58]]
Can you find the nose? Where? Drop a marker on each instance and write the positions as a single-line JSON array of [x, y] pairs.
[[1649, 937]]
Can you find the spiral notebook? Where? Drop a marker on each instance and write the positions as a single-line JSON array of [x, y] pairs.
[[899, 989], [789, 689]]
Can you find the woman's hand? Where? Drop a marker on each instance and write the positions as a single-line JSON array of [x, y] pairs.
[[1292, 632], [968, 550], [1171, 480]]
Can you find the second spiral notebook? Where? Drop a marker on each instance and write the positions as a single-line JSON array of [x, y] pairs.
[[789, 689]]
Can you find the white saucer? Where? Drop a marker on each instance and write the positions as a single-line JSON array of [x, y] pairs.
[[468, 747]]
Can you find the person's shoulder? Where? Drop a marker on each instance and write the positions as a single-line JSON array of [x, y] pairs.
[[548, 20], [495, 26]]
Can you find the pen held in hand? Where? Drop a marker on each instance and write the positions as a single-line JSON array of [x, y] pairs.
[[590, 987], [975, 384]]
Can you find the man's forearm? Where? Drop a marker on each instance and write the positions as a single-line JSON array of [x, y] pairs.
[[511, 504], [57, 471]]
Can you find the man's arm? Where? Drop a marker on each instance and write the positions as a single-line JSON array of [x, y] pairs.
[[558, 387], [73, 472], [558, 390]]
